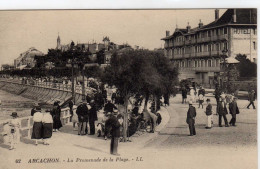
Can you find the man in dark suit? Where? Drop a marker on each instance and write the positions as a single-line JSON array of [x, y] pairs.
[[251, 99], [109, 107], [82, 112], [191, 114], [233, 109], [222, 112], [92, 117], [115, 133]]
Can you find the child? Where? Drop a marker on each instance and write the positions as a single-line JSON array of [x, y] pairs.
[[201, 100], [75, 120], [15, 131]]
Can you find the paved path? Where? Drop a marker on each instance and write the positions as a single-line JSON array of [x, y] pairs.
[[168, 147]]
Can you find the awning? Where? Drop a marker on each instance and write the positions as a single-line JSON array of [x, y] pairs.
[[231, 60]]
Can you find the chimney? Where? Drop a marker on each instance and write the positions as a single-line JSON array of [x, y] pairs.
[[235, 15], [216, 14], [167, 33], [200, 24], [188, 28]]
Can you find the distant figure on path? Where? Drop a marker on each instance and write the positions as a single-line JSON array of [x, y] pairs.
[[222, 112], [37, 125], [209, 114], [233, 109], [191, 114], [184, 94], [201, 100], [71, 109], [56, 112], [192, 95], [251, 99]]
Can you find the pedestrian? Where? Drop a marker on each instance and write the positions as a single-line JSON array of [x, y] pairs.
[[109, 107], [101, 124], [209, 115], [82, 112], [222, 112], [201, 100], [33, 109], [115, 133], [47, 123], [192, 95], [108, 125], [75, 120], [191, 114], [223, 97], [56, 112], [184, 94], [37, 125], [233, 109], [92, 117], [251, 99], [71, 109], [166, 99], [217, 94], [14, 137]]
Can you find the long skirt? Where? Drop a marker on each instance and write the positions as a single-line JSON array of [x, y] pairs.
[[47, 130], [57, 123], [37, 130], [209, 121]]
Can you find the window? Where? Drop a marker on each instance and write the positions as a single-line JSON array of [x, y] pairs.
[[217, 46], [209, 48], [217, 31], [209, 33], [196, 49], [225, 30], [196, 63], [254, 45], [226, 45], [209, 63]]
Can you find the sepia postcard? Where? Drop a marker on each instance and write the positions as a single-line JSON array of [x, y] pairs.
[[133, 88]]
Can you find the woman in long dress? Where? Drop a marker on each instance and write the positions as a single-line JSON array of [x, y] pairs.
[[75, 120], [56, 111], [37, 125], [47, 122]]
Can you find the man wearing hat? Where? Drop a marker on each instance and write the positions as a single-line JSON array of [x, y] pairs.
[[222, 112], [233, 109], [82, 112], [92, 117], [251, 99], [115, 132], [191, 114], [209, 114], [15, 131]]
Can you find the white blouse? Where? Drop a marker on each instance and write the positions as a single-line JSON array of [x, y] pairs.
[[47, 118], [37, 117]]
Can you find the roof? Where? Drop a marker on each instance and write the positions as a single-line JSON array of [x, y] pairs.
[[231, 60], [243, 16]]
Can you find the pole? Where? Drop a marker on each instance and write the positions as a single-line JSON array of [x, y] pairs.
[[83, 84], [72, 86]]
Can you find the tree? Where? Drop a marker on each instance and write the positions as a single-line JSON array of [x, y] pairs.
[[245, 67], [141, 71]]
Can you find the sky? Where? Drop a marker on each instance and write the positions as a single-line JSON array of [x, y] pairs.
[[20, 30]]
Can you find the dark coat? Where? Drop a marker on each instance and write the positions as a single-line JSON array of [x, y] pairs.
[[191, 114], [184, 93], [233, 109], [82, 112], [115, 131], [222, 110], [93, 113], [109, 107], [251, 96], [33, 111], [56, 111], [209, 109], [201, 91]]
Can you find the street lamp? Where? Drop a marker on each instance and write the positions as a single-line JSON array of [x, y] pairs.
[[224, 68], [72, 77]]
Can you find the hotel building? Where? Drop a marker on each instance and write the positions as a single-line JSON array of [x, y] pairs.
[[198, 52]]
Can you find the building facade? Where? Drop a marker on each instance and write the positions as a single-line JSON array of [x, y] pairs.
[[26, 59], [198, 52]]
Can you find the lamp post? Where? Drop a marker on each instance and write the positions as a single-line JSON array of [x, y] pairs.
[[224, 68], [72, 76]]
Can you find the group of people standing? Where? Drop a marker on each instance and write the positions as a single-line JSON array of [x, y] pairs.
[[44, 123], [225, 104]]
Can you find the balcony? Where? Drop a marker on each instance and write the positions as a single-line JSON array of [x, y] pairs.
[[179, 56], [187, 55], [181, 43], [206, 69]]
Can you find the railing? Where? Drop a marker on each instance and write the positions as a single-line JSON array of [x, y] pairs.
[[200, 69], [27, 124]]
